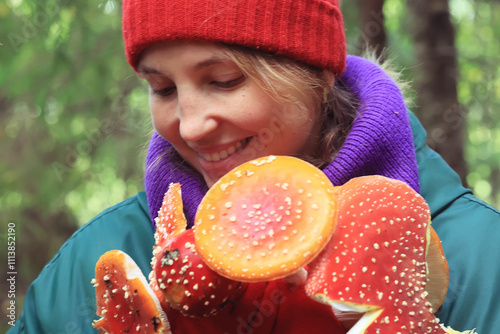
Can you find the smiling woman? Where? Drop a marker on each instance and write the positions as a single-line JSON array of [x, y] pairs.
[[281, 106], [231, 81], [213, 113]]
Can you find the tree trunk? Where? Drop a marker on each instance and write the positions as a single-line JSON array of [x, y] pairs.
[[436, 81], [373, 35]]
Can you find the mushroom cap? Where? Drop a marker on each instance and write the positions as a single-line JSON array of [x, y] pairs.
[[374, 265], [179, 277], [265, 219], [124, 300], [171, 220], [186, 283], [169, 223]]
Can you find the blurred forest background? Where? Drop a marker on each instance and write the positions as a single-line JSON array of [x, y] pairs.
[[74, 120]]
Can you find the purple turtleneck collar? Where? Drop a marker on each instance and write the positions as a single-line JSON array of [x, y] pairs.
[[379, 143]]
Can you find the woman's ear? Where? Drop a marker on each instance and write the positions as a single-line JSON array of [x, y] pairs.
[[330, 77]]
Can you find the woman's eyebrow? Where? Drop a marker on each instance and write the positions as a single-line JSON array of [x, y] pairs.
[[209, 62], [143, 69]]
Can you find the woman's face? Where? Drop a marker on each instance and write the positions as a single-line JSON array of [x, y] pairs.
[[215, 116]]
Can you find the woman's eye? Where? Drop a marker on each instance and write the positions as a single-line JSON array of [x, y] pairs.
[[167, 91], [229, 84]]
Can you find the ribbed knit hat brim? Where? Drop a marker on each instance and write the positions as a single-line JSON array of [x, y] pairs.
[[310, 31]]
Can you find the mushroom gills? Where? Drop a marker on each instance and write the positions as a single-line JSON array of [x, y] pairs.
[[450, 330], [354, 317], [124, 300], [437, 270]]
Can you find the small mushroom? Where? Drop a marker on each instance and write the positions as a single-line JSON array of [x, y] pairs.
[[171, 220], [265, 219], [125, 302], [186, 283], [179, 277], [373, 271], [169, 223]]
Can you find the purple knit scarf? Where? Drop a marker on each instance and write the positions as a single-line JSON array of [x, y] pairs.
[[380, 143]]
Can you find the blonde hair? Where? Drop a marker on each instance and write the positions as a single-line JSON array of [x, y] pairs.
[[290, 81]]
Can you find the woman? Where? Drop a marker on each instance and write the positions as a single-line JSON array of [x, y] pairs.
[[235, 80]]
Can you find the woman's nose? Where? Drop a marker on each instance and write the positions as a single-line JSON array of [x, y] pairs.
[[196, 117]]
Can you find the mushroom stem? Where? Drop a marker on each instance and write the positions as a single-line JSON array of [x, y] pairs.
[[296, 279]]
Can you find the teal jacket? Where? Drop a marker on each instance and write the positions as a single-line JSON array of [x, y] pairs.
[[61, 299]]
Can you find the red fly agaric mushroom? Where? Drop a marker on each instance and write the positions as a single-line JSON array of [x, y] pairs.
[[179, 277], [186, 282], [170, 222], [374, 265], [265, 219], [125, 301]]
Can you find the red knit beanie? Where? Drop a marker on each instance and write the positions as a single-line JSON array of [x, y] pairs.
[[310, 31]]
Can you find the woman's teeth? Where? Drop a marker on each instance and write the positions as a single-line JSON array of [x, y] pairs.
[[224, 153]]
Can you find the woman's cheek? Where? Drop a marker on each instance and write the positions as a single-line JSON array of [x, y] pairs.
[[164, 122]]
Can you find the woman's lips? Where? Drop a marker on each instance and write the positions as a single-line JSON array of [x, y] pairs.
[[223, 154], [214, 165]]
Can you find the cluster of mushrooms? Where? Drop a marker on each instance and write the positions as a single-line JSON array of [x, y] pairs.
[[370, 252]]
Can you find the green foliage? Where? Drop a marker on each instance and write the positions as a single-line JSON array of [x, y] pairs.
[[477, 25], [394, 19], [478, 42], [74, 119]]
